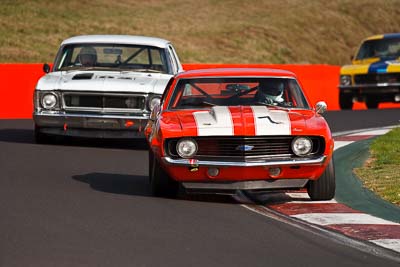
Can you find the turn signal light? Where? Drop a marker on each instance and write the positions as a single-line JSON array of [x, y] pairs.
[[129, 124]]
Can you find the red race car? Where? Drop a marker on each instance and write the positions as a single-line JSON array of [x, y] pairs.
[[222, 130]]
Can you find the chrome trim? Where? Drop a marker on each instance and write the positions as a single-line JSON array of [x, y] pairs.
[[97, 116], [190, 162], [109, 110], [95, 133], [369, 85]]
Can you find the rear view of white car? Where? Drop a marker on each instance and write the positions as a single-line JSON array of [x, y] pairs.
[[103, 86]]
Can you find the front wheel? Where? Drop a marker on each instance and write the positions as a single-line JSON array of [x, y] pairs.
[[371, 103], [323, 188], [345, 101], [40, 138], [161, 184]]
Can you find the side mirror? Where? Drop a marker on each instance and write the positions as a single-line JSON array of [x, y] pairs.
[[46, 68], [155, 112], [320, 107]]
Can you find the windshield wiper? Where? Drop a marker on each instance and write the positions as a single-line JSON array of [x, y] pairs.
[[276, 106], [147, 70], [80, 68]]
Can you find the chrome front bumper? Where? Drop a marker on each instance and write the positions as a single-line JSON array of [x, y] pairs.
[[90, 125], [377, 88], [254, 163]]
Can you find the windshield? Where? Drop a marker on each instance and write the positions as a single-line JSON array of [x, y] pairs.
[[111, 57], [383, 48], [207, 92]]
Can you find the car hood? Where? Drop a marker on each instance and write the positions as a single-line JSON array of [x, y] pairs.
[[240, 121], [372, 65], [105, 81]]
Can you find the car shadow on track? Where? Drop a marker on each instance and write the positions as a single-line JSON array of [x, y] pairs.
[[116, 183], [132, 144], [137, 185], [25, 136]]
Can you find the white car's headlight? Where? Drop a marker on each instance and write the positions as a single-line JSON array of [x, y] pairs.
[[49, 101], [186, 147], [154, 101], [345, 79], [302, 146]]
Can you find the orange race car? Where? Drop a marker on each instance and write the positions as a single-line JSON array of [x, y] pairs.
[[222, 130]]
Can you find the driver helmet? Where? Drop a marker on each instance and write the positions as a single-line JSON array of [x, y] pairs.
[[88, 56], [271, 89]]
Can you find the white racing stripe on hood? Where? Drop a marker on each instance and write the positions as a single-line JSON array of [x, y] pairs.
[[217, 121], [271, 122]]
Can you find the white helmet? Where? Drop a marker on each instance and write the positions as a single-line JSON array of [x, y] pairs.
[[270, 90]]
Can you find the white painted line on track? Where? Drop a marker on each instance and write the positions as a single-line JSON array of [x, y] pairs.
[[393, 244], [360, 132], [297, 195], [339, 144], [314, 202], [342, 218], [372, 132]]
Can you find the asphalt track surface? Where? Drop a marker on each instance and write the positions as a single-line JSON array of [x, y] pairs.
[[87, 203]]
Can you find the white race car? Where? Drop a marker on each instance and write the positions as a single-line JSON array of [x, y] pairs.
[[103, 86]]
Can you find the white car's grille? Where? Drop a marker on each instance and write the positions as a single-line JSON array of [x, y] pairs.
[[104, 102]]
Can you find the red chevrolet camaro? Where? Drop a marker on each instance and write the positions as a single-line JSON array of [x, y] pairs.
[[222, 130]]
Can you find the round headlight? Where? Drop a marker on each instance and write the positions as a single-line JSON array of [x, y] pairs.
[[345, 80], [49, 101], [153, 102], [186, 147], [302, 146]]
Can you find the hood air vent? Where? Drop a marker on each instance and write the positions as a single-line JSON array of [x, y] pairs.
[[83, 76]]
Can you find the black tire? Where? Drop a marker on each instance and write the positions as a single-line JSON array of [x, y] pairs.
[[323, 188], [40, 138], [161, 184], [371, 103], [345, 101]]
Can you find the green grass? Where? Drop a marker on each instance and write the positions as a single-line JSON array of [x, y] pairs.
[[381, 173], [208, 31]]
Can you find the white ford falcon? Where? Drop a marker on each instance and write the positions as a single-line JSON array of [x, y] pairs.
[[103, 86]]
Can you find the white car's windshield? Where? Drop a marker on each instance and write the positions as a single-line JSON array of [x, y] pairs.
[[382, 48], [111, 57], [207, 92]]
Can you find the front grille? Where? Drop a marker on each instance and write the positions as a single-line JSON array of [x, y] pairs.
[[245, 148], [377, 78], [104, 101]]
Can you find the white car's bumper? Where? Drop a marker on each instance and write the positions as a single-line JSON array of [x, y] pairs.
[[90, 125]]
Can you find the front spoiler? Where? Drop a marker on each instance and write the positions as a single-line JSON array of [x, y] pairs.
[[231, 187]]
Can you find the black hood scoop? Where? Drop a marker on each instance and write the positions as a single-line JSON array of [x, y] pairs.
[[83, 76]]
